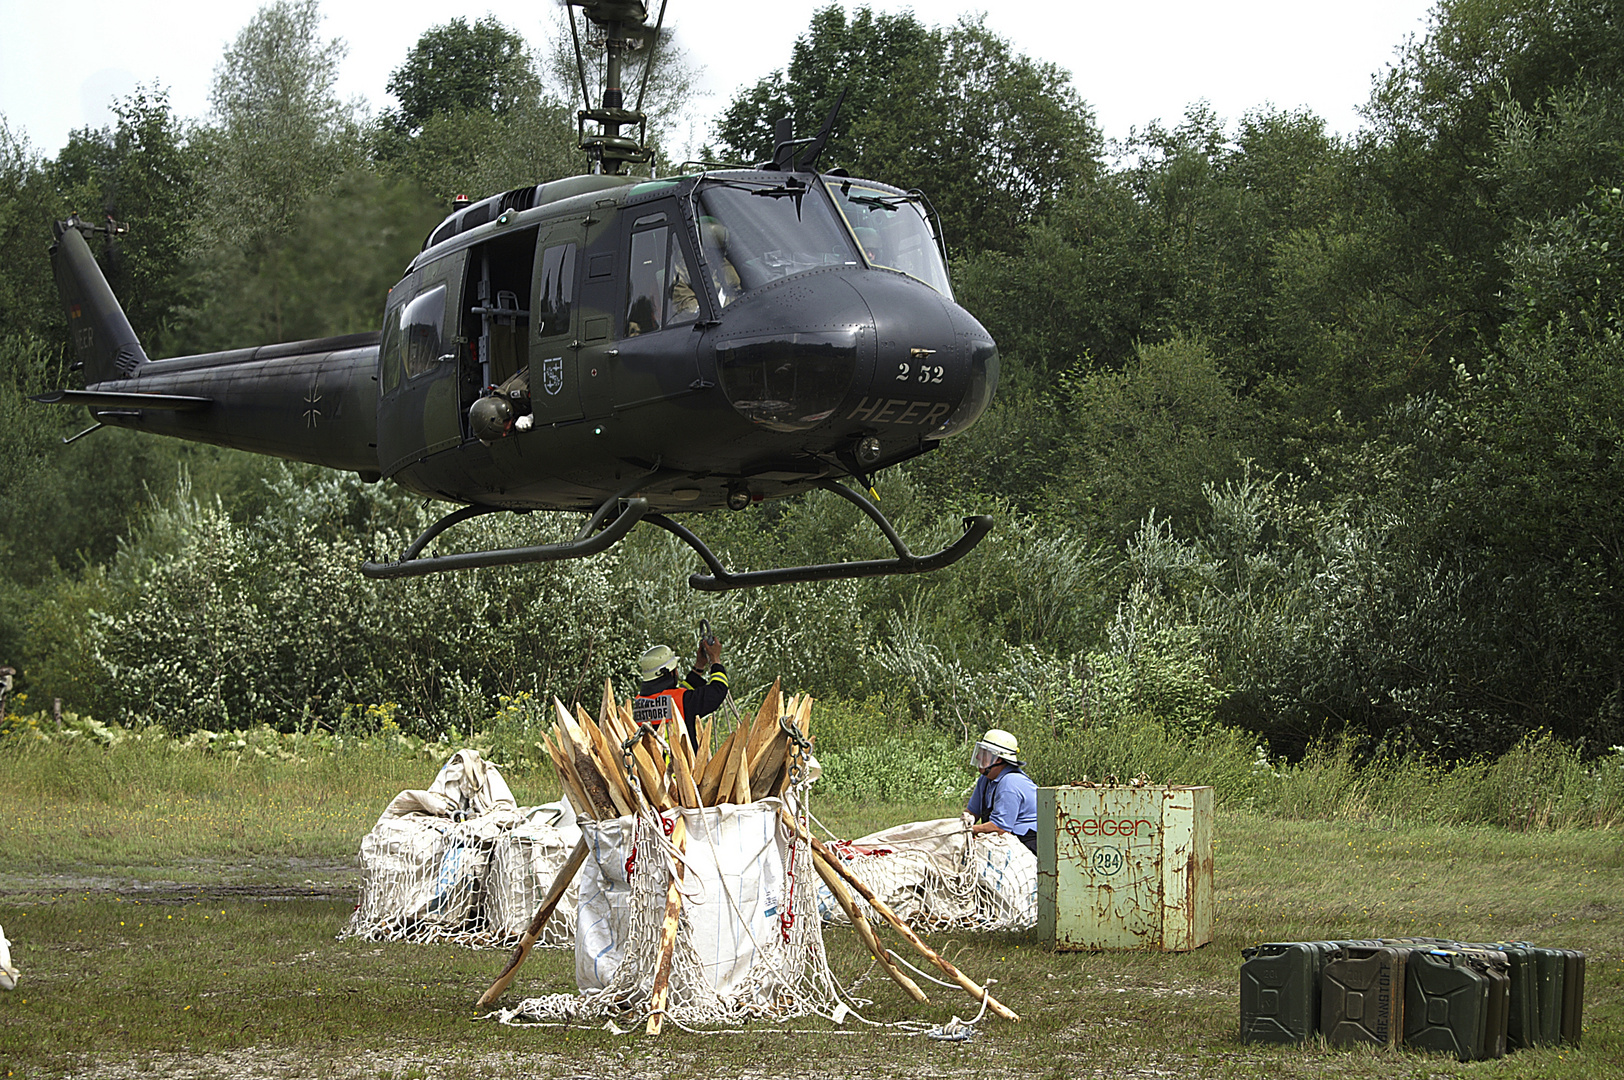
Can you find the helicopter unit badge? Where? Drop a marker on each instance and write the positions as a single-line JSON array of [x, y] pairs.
[[552, 374]]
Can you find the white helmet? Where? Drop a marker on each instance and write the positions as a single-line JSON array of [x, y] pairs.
[[995, 745], [656, 662]]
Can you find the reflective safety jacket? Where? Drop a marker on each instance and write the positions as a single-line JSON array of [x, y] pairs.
[[658, 708]]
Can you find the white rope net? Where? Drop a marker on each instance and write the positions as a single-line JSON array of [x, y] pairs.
[[937, 875], [473, 883], [736, 955], [460, 863]]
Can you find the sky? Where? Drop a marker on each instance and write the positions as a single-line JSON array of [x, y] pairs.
[[1132, 63]]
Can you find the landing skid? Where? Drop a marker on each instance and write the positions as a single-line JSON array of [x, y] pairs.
[[589, 541], [616, 517], [906, 562]]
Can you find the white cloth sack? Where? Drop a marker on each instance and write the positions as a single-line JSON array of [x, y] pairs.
[[932, 875], [425, 862], [733, 887], [524, 862]]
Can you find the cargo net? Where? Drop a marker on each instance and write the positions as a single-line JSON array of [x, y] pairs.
[[460, 863], [937, 875], [749, 939]]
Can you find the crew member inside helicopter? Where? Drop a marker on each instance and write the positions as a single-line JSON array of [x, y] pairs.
[[662, 697], [1005, 800]]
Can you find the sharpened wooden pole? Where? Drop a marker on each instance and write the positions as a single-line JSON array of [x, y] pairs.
[[978, 992], [865, 932], [561, 884], [668, 934]]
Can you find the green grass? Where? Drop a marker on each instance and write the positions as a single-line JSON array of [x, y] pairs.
[[122, 978]]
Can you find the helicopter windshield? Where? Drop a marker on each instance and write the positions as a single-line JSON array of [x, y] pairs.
[[893, 231], [756, 231]]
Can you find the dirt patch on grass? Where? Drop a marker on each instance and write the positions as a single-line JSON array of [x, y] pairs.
[[279, 879]]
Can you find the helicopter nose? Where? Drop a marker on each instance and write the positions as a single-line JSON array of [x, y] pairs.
[[935, 366], [861, 351]]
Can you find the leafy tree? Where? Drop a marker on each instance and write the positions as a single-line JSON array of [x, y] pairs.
[[478, 153], [992, 137], [282, 139], [1146, 441], [1436, 116], [331, 272], [28, 203], [475, 116], [457, 67], [144, 172], [283, 135]]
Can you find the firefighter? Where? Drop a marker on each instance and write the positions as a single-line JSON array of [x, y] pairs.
[[662, 697], [1005, 800]]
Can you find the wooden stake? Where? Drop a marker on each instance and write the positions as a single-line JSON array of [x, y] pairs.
[[710, 783], [741, 777], [564, 763], [668, 934], [576, 743], [561, 884], [682, 775], [702, 751], [865, 932], [978, 992], [610, 764]]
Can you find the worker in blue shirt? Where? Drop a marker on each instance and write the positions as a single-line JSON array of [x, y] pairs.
[[1005, 799]]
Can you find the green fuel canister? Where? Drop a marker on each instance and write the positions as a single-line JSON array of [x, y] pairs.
[[1280, 992], [1446, 1004], [1573, 995], [1362, 996], [1549, 968]]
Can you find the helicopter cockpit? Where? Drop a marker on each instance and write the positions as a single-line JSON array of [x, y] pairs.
[[755, 231], [893, 230]]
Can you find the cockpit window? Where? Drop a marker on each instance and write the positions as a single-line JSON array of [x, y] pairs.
[[661, 291], [755, 231], [420, 325], [893, 232]]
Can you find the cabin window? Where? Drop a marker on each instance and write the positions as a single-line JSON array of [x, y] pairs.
[[893, 232], [421, 323], [660, 285], [389, 362], [755, 232], [555, 293]]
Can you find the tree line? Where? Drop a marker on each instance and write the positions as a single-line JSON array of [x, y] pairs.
[[1308, 434]]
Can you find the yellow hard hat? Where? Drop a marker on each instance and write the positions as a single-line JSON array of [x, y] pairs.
[[656, 662], [996, 743]]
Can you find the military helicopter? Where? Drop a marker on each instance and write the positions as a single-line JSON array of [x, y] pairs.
[[628, 347]]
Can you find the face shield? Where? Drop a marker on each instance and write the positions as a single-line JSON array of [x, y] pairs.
[[984, 756]]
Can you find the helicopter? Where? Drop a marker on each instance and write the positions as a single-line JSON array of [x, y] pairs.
[[627, 347]]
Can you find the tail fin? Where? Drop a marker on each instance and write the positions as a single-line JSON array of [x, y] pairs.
[[106, 345]]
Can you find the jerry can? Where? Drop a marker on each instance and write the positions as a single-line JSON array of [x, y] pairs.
[[1573, 995], [1362, 996], [1521, 1017], [1549, 966], [1495, 967], [1446, 1004], [1280, 992]]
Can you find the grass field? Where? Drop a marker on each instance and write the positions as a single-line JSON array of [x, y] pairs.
[[175, 915]]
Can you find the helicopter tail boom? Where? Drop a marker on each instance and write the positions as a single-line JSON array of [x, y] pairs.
[[313, 401]]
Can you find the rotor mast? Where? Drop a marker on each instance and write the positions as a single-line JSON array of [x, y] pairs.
[[624, 24]]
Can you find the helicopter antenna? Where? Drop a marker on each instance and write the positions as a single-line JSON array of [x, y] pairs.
[[790, 152], [624, 24]]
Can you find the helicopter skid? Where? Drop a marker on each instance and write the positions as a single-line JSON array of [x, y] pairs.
[[622, 514], [586, 542], [720, 579]]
